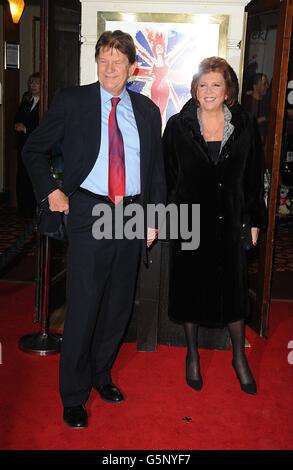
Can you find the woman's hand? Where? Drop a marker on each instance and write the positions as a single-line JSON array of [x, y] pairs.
[[151, 236], [254, 235]]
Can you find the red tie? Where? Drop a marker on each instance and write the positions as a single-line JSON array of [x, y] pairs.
[[116, 176]]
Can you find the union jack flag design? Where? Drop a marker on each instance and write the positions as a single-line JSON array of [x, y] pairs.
[[161, 72]]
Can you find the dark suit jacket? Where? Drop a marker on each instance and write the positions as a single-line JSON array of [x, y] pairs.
[[74, 120], [29, 118]]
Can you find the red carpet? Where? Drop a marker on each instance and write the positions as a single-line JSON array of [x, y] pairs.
[[222, 416]]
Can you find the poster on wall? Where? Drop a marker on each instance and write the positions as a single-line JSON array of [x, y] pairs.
[[11, 56], [169, 49]]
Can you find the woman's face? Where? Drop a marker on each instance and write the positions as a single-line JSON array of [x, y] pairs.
[[35, 86], [211, 91]]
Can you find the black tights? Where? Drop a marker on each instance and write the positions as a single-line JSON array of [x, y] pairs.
[[237, 334], [192, 358], [240, 363]]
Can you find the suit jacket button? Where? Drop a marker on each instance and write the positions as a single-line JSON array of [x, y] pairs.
[[220, 217]]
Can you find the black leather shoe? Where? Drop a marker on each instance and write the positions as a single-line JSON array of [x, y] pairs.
[[75, 416], [110, 393]]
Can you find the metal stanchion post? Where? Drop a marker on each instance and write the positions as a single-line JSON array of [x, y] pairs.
[[42, 343], [39, 277]]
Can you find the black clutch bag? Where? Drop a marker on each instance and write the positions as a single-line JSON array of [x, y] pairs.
[[53, 224], [246, 238]]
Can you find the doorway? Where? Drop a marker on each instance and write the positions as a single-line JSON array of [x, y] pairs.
[[264, 92], [48, 37], [19, 106], [282, 276]]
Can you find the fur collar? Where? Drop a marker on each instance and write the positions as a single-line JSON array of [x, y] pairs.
[[228, 126], [236, 116]]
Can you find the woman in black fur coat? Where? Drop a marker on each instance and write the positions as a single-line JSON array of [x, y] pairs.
[[214, 157]]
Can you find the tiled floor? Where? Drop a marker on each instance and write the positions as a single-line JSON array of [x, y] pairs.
[[11, 227]]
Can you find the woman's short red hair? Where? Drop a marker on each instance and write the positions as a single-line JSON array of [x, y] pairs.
[[217, 64]]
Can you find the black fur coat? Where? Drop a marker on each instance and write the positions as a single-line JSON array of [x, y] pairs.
[[209, 285]]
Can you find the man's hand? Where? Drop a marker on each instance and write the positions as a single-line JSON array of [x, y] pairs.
[[58, 202], [254, 235], [20, 127], [151, 236]]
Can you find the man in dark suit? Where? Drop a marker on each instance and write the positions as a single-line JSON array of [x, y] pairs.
[[26, 120], [101, 273]]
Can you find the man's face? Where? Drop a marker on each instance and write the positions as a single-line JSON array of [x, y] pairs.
[[35, 86], [114, 70]]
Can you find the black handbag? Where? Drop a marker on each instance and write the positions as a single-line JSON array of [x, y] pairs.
[[246, 238]]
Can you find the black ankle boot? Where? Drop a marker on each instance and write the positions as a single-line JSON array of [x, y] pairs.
[[196, 384]]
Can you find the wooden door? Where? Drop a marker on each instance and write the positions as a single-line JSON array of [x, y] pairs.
[[60, 46], [267, 49]]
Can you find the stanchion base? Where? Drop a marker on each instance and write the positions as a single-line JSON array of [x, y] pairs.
[[40, 344]]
